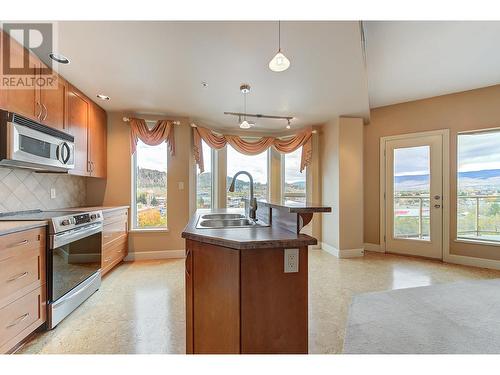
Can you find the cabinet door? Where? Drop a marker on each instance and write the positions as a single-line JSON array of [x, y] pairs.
[[97, 141], [78, 119], [53, 99], [22, 100]]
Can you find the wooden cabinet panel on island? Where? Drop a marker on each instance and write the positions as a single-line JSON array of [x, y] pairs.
[[242, 301], [114, 239]]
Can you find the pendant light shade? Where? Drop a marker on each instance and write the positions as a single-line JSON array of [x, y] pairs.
[[279, 62], [245, 125]]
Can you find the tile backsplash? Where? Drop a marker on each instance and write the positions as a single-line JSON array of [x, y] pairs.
[[22, 189]]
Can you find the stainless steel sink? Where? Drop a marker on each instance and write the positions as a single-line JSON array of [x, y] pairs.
[[213, 221], [222, 216]]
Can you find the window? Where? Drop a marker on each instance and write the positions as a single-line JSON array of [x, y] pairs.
[[150, 186], [257, 166], [478, 186], [204, 181], [294, 182]]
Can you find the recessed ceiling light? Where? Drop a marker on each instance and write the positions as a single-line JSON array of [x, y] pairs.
[[204, 84], [57, 57], [103, 97]]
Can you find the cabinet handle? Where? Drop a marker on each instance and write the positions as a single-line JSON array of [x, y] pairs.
[[41, 110], [15, 322], [188, 270], [23, 242], [17, 277], [46, 112]]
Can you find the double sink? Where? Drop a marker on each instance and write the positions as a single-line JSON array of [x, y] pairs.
[[212, 221]]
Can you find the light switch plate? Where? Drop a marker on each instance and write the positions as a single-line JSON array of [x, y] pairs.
[[52, 193], [181, 185], [291, 260]]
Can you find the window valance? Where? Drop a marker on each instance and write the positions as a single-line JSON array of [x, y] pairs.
[[286, 145], [163, 131]]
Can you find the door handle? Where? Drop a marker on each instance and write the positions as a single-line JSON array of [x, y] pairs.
[[187, 261], [437, 197], [437, 206]]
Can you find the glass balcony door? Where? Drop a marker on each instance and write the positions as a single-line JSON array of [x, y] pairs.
[[414, 184]]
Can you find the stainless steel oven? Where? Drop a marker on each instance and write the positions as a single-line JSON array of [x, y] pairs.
[[74, 262], [28, 144]]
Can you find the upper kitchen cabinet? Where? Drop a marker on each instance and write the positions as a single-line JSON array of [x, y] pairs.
[[78, 123], [97, 141], [39, 94], [20, 98], [52, 101]]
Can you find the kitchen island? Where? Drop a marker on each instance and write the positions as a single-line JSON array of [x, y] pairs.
[[247, 286]]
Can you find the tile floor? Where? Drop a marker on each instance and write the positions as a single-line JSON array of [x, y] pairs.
[[140, 306]]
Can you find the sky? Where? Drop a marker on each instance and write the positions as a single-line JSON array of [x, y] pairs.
[[292, 167], [256, 165], [480, 151], [411, 161], [152, 157]]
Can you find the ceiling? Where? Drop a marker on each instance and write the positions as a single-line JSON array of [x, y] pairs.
[[158, 67], [410, 60]]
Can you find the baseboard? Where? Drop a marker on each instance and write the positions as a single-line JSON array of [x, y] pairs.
[[346, 253], [373, 247], [154, 255], [472, 261]]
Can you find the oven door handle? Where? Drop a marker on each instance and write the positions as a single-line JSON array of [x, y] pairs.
[[65, 238]]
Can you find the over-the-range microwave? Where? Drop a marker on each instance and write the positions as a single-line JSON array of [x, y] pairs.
[[26, 143]]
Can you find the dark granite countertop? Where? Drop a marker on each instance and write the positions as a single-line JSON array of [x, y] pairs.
[[295, 207], [244, 238]]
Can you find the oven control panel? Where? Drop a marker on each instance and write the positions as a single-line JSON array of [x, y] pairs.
[[64, 223]]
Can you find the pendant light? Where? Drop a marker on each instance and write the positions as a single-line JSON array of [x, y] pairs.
[[279, 62], [245, 89]]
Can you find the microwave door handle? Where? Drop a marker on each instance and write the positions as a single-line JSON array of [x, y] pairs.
[[68, 151]]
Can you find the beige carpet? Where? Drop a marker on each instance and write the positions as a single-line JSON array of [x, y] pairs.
[[462, 317]]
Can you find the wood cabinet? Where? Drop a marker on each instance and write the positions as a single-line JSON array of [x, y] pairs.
[[42, 95], [78, 120], [97, 141], [59, 105], [242, 301], [114, 239], [22, 285]]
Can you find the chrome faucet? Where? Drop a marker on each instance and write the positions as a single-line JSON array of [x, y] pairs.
[[253, 201]]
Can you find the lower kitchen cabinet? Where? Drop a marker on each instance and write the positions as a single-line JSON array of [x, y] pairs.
[[114, 239], [242, 301], [22, 286]]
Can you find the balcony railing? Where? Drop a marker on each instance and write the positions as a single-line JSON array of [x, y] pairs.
[[478, 217], [411, 217]]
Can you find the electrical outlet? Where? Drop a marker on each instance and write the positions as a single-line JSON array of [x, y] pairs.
[[52, 193], [291, 260], [181, 185]]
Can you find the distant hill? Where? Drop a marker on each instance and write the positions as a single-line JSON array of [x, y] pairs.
[[149, 178], [484, 178]]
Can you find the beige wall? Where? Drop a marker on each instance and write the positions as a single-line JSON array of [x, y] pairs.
[[329, 159], [470, 110], [341, 145], [116, 190]]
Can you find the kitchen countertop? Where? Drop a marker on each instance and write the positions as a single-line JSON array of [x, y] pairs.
[[244, 238], [7, 227], [98, 208], [295, 207]]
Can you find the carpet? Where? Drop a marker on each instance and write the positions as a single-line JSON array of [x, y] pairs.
[[455, 318]]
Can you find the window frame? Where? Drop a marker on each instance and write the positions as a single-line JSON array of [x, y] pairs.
[[464, 239], [283, 181], [269, 166], [134, 222], [214, 187]]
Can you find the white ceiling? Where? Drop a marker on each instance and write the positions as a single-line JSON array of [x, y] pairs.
[[414, 60], [158, 67]]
